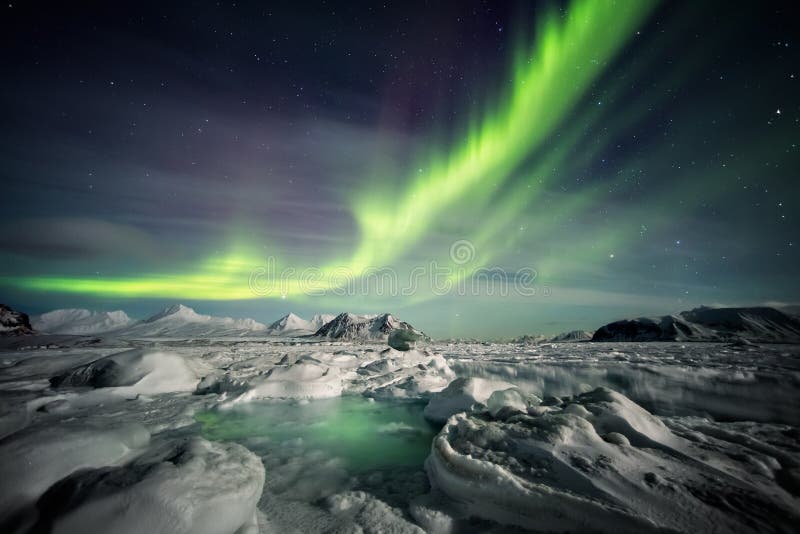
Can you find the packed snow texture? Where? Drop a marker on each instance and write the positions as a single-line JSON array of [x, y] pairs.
[[36, 458], [462, 394], [729, 382], [191, 487], [133, 372], [598, 462], [301, 380]]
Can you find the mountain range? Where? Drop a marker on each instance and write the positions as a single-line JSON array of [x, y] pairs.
[[184, 322], [757, 324], [348, 326], [754, 324], [294, 323]]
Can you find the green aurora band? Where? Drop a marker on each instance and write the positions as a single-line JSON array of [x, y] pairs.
[[479, 175]]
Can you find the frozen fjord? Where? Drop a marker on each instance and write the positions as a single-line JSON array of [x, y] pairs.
[[326, 435]]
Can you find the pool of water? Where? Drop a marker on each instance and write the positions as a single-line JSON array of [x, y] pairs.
[[358, 433]]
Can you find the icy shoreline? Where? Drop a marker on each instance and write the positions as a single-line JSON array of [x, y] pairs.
[[86, 428]]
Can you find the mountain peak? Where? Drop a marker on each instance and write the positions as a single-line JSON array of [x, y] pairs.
[[175, 310], [290, 321], [78, 321], [351, 326], [13, 322], [757, 324]]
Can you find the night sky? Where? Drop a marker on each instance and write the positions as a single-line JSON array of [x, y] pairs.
[[639, 158]]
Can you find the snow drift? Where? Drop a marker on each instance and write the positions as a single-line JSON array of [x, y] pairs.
[[196, 487], [598, 462], [132, 372], [37, 458]]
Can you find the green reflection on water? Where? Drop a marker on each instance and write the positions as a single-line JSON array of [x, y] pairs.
[[366, 435]]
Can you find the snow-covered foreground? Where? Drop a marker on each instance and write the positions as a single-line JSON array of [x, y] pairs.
[[293, 435]]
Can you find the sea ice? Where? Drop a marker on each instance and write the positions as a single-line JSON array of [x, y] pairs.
[[604, 464]]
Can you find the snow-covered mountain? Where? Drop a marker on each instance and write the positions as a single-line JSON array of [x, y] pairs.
[[351, 326], [761, 324], [174, 321], [319, 320], [80, 321], [291, 323], [13, 323], [574, 336], [181, 321], [756, 324], [529, 339]]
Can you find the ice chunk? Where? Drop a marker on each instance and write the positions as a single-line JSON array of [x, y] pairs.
[[304, 380], [510, 400], [404, 375], [461, 395], [197, 487], [32, 459], [404, 340], [133, 372], [370, 514]]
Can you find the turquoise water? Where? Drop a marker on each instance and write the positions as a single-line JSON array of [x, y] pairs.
[[363, 434]]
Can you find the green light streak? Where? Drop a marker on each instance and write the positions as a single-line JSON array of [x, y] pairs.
[[549, 78]]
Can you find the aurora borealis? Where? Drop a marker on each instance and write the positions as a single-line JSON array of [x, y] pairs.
[[639, 157]]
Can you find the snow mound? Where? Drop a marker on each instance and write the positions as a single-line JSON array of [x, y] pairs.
[[196, 487], [461, 395], [362, 511], [80, 321], [132, 372], [403, 375], [508, 401], [601, 463], [33, 459], [301, 380]]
